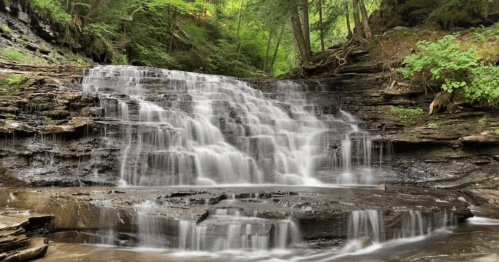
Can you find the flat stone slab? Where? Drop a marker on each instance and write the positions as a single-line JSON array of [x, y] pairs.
[[8, 223]]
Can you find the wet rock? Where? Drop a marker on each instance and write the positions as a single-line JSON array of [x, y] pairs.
[[36, 249], [16, 229], [481, 139], [471, 179], [95, 112], [320, 213], [365, 242], [381, 187]]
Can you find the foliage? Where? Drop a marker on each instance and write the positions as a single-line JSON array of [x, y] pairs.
[[10, 116], [484, 84], [406, 112], [495, 132], [52, 9], [445, 64], [232, 37], [6, 29], [442, 61]]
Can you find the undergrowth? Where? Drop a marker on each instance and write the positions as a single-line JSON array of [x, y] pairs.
[[456, 67]]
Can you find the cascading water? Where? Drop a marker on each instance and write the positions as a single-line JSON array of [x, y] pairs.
[[184, 128], [228, 229], [371, 224]]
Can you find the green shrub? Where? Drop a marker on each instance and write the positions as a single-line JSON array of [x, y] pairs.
[[445, 64], [484, 85], [495, 131], [441, 61]]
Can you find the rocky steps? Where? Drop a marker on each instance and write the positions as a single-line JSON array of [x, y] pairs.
[[22, 235]]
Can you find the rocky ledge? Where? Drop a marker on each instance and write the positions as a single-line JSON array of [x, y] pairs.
[[318, 212], [22, 235]]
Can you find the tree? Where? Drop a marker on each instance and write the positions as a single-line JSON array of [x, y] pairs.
[[300, 37], [365, 19], [321, 26], [356, 17], [347, 17]]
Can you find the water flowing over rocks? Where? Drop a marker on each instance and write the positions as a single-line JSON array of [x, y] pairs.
[[147, 128], [273, 217]]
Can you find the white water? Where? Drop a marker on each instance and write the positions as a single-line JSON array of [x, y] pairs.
[[228, 229], [195, 129]]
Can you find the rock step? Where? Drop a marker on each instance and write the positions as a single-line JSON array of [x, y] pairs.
[[8, 223], [13, 242], [9, 233], [37, 248]]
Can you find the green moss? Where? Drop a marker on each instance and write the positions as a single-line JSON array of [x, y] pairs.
[[406, 112], [16, 79], [73, 164], [433, 125], [13, 54], [484, 120], [48, 121], [10, 116], [12, 84], [375, 100], [58, 112], [6, 29]]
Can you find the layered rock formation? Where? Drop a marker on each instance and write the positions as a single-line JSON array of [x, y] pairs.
[[22, 235]]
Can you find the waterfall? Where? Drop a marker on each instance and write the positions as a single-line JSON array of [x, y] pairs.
[[371, 224], [181, 128], [366, 223], [228, 229]]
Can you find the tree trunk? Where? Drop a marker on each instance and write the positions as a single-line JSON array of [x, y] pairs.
[[299, 37], [365, 19], [347, 17], [276, 50], [305, 23], [93, 10], [239, 19], [320, 24], [173, 28], [356, 17], [266, 62]]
